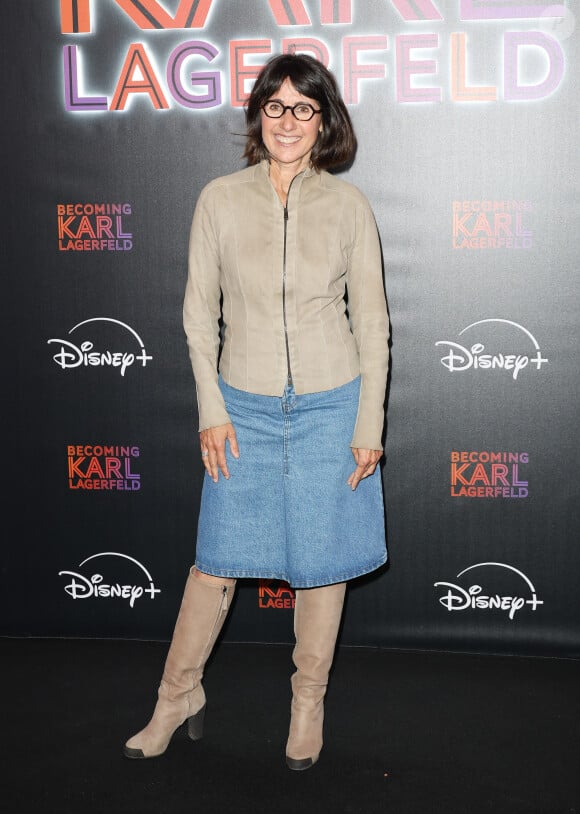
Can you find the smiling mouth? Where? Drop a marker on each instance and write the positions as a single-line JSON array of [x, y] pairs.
[[288, 139]]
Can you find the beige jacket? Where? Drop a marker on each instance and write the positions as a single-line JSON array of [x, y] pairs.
[[277, 277]]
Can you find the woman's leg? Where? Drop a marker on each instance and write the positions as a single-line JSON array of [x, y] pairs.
[[204, 607], [317, 615]]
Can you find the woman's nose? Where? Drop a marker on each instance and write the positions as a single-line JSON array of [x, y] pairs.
[[288, 119]]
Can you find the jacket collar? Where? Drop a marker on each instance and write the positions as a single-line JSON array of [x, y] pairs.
[[264, 167]]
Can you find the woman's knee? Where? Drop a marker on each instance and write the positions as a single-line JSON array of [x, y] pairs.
[[211, 579]]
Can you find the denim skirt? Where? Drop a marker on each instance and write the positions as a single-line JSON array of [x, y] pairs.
[[286, 511]]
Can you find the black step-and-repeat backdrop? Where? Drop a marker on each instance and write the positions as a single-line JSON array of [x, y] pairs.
[[116, 113]]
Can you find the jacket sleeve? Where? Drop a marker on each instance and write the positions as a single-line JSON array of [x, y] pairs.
[[369, 321], [202, 311]]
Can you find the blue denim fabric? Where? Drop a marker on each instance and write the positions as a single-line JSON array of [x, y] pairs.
[[287, 511]]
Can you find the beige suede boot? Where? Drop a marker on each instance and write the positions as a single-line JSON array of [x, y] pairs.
[[317, 614], [181, 698]]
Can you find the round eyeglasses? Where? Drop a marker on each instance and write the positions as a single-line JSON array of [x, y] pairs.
[[301, 111]]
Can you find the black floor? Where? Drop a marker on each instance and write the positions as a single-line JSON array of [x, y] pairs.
[[405, 733]]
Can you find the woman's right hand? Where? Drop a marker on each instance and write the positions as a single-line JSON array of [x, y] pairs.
[[213, 449]]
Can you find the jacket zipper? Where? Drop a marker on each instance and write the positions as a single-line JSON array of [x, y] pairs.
[[289, 369]]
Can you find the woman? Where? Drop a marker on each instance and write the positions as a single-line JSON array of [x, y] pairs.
[[275, 252]]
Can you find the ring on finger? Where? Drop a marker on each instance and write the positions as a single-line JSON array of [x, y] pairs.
[[205, 453]]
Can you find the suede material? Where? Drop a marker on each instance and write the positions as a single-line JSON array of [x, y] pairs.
[[317, 615], [276, 279], [203, 610]]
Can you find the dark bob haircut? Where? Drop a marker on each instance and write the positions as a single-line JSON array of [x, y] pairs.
[[336, 145]]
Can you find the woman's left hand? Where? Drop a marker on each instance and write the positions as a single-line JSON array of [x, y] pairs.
[[366, 462]]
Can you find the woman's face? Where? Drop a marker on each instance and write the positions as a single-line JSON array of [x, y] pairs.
[[289, 141]]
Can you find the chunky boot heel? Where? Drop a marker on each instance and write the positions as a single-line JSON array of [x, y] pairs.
[[195, 725], [181, 698], [317, 614]]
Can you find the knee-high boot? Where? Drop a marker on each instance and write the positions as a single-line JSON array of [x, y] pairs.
[[317, 615], [181, 697]]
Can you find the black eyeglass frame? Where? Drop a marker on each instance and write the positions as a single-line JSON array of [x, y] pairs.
[[291, 108]]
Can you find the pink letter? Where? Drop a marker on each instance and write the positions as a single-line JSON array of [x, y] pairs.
[[240, 73], [492, 10], [406, 67], [516, 92], [413, 10], [353, 71], [301, 45], [289, 12]]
